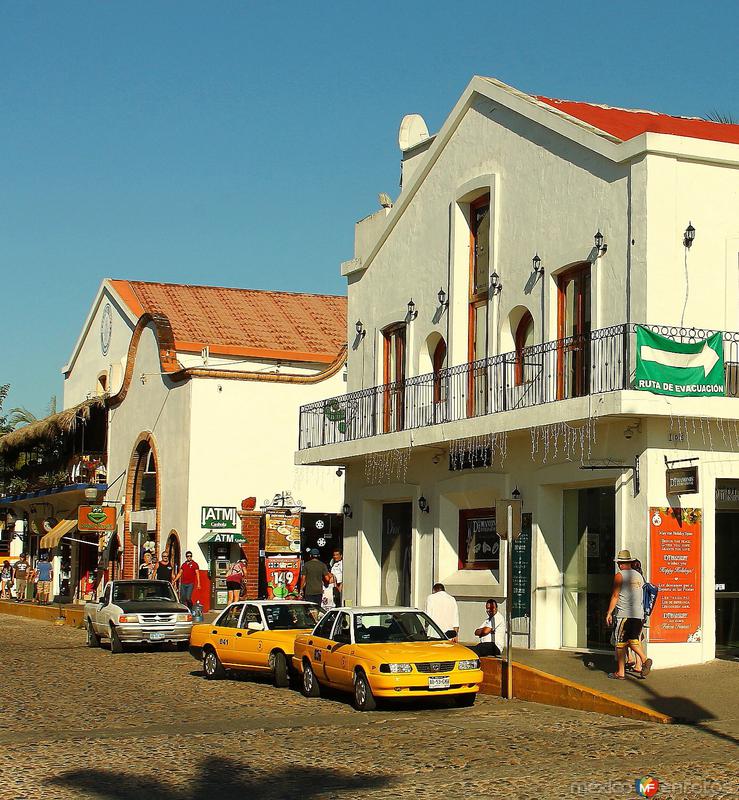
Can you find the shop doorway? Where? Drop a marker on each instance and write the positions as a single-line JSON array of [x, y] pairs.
[[727, 568], [589, 548], [396, 554]]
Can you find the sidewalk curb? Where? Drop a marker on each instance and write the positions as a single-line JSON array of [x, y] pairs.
[[540, 687]]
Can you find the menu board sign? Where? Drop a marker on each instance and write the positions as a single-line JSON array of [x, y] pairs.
[[282, 573], [521, 606], [282, 533], [675, 567]]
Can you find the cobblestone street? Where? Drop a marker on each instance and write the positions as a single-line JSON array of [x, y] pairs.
[[82, 723]]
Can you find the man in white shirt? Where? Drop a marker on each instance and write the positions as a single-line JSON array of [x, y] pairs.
[[337, 570], [443, 610], [491, 632]]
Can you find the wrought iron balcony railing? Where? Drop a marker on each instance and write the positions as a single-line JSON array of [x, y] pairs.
[[592, 363]]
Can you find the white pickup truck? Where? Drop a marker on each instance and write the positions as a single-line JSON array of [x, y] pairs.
[[137, 612]]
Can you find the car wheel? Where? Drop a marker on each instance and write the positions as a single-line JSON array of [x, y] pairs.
[[311, 687], [364, 700], [212, 666], [116, 645], [280, 676], [93, 640], [465, 700]]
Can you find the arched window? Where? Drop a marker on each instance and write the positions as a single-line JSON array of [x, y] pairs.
[[438, 363], [524, 340], [145, 479]]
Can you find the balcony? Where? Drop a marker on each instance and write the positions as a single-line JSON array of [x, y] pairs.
[[578, 366]]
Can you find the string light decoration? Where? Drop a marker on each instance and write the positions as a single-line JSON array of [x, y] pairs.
[[549, 440], [477, 452], [387, 467]]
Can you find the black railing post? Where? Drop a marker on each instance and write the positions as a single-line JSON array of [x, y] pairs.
[[505, 383], [626, 357]]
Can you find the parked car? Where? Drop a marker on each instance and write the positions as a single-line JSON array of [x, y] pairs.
[[253, 636], [388, 653], [140, 612]]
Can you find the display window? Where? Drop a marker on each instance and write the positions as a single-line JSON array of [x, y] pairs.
[[479, 545]]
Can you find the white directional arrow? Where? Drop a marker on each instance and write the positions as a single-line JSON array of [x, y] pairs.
[[706, 358]]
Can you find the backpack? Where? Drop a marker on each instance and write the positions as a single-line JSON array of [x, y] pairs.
[[649, 597]]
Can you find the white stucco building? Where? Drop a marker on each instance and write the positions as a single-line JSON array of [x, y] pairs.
[[532, 236], [201, 388]]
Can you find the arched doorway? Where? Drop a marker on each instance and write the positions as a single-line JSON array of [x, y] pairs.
[[142, 522], [172, 549], [523, 341]]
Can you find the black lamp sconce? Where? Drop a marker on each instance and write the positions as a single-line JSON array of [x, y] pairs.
[[441, 295], [359, 328], [496, 287], [536, 263], [346, 510], [516, 494], [600, 244], [412, 313], [689, 236], [423, 505]]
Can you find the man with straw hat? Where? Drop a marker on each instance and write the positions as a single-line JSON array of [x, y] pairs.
[[627, 600]]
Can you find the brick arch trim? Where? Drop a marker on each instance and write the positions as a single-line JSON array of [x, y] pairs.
[[128, 543]]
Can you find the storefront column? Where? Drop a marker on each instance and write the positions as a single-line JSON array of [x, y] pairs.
[[251, 526]]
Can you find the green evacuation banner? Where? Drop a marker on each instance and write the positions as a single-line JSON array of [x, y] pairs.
[[681, 369]]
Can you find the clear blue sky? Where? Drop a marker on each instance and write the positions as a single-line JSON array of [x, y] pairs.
[[235, 143]]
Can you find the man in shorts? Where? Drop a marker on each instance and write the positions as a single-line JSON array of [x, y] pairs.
[[22, 572], [628, 603], [44, 574]]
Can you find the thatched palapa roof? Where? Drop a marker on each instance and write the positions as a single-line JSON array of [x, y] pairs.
[[64, 422]]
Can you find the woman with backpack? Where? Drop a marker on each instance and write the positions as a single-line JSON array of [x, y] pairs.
[[235, 579]]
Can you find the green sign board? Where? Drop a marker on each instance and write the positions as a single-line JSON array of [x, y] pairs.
[[521, 605], [218, 517], [680, 369]]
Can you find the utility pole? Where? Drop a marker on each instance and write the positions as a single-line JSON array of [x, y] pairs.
[[510, 511]]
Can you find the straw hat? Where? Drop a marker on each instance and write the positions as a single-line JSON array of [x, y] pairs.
[[624, 555]]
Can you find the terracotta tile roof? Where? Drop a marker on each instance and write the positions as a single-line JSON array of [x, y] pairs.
[[624, 123], [244, 322]]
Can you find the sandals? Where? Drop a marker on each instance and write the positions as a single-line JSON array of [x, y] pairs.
[[647, 668], [613, 676]]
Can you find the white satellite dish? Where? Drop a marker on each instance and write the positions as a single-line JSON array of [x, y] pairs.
[[413, 130]]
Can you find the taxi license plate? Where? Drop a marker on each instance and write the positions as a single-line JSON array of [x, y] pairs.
[[439, 682], [156, 636]]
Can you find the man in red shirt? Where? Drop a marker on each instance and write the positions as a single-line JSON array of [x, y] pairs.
[[189, 578]]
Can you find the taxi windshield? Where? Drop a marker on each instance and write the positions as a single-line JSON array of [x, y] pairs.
[[288, 617], [396, 626]]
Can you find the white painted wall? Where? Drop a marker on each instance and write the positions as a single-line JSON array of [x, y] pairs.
[[81, 381]]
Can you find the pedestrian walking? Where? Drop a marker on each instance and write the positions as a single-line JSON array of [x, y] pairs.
[[164, 570], [444, 611], [22, 574], [627, 600], [235, 579], [6, 580], [337, 570], [492, 632], [188, 576], [315, 572], [44, 576]]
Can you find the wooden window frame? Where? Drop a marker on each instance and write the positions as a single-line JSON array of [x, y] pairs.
[[394, 336], [476, 300], [563, 279]]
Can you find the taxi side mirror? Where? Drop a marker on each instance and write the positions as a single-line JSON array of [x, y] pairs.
[[254, 626]]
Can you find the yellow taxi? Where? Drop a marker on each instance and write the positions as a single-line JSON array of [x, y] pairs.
[[389, 653], [253, 636]]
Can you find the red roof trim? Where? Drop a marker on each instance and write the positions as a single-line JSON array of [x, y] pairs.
[[625, 123]]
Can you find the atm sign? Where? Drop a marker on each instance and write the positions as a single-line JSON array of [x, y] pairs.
[[96, 518], [218, 517]]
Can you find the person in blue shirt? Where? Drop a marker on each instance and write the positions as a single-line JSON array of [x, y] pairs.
[[44, 574]]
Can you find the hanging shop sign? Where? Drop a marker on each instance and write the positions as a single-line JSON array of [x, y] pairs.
[[521, 604], [282, 573], [218, 517], [282, 532], [96, 518], [479, 545], [680, 369], [682, 480], [675, 567]]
